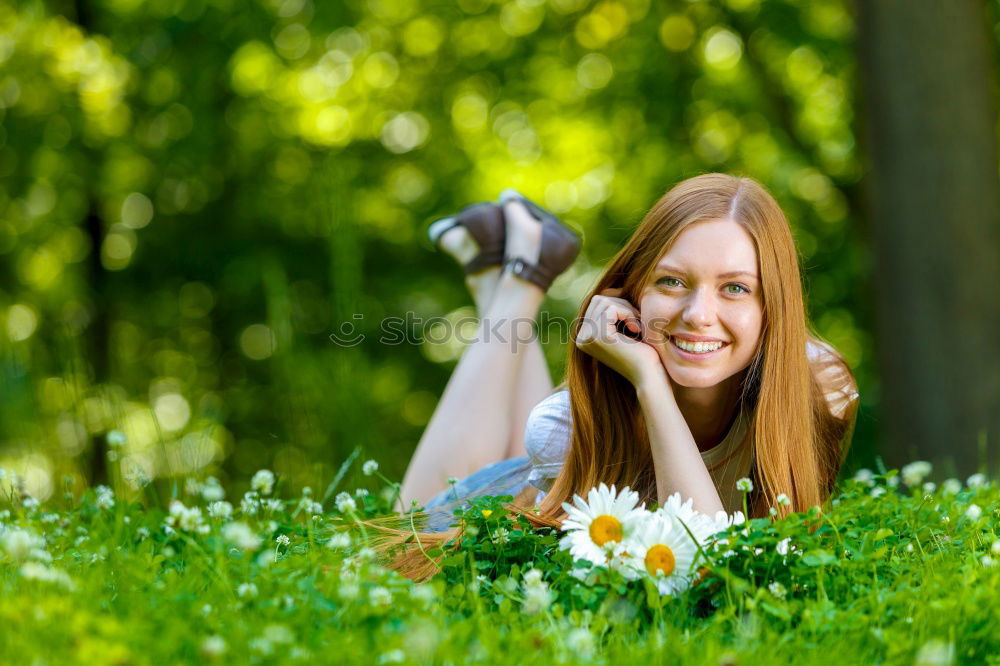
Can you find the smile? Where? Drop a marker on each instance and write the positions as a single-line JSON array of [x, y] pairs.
[[697, 350]]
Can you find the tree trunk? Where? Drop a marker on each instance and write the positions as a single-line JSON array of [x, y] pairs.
[[928, 80]]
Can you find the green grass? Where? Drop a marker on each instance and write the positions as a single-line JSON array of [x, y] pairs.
[[907, 576]]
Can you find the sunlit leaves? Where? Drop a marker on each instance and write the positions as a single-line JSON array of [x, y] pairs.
[[254, 68]]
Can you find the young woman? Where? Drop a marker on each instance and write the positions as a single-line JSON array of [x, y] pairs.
[[693, 364]]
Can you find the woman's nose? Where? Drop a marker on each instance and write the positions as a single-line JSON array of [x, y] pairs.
[[699, 311]]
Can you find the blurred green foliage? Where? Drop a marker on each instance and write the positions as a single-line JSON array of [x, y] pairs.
[[194, 194]]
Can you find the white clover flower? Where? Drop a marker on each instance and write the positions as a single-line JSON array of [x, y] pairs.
[[977, 480], [537, 599], [478, 582], [188, 519], [929, 487], [211, 490], [262, 646], [534, 576], [272, 505], [915, 472], [379, 596], [366, 554], [995, 548], [220, 509], [282, 540], [581, 642], [263, 481], [777, 589], [987, 561], [951, 486], [392, 657], [340, 540], [362, 492], [246, 591], [973, 512], [369, 468], [345, 503], [865, 476], [935, 653], [20, 544], [40, 572], [105, 497], [212, 647], [783, 500], [241, 536], [909, 548], [278, 633], [877, 492], [744, 485], [136, 476], [348, 591], [250, 503], [115, 438], [309, 506], [500, 536], [892, 482], [783, 546]]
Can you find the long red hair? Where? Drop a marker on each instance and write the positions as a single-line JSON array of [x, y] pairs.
[[803, 409]]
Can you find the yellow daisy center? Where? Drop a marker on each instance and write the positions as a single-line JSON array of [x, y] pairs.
[[660, 558], [604, 529]]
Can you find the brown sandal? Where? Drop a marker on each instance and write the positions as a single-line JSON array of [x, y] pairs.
[[485, 223], [560, 246]]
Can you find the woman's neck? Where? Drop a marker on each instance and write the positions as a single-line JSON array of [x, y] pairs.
[[710, 411]]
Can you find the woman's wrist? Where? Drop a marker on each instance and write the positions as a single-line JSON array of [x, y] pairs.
[[653, 385]]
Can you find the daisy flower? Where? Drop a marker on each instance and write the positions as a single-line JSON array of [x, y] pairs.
[[662, 548], [594, 527], [699, 524]]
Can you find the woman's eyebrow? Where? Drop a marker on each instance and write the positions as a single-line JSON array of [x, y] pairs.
[[731, 274]]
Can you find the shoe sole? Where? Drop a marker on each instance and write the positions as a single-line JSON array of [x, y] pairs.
[[438, 228]]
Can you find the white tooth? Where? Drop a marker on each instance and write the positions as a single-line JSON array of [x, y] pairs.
[[697, 347]]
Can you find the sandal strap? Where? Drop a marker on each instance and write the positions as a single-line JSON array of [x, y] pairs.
[[525, 270], [484, 259]]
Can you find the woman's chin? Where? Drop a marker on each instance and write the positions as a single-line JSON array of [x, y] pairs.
[[690, 377]]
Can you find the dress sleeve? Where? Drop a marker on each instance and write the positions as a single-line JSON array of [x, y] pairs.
[[834, 378], [546, 438]]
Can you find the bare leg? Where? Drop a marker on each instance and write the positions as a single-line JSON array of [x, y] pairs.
[[534, 382], [472, 424]]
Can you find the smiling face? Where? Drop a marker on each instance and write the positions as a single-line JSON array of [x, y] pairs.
[[705, 290]]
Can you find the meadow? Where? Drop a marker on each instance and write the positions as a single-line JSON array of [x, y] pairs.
[[895, 569]]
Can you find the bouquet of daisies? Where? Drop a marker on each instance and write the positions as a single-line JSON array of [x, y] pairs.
[[609, 530]]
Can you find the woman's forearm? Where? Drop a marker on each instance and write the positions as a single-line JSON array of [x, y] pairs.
[[677, 462]]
